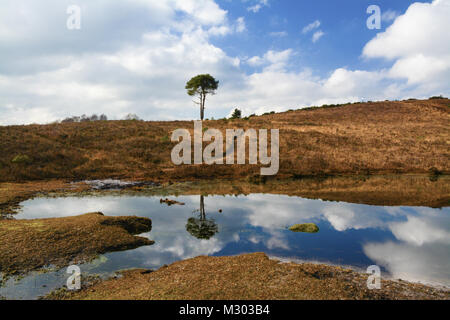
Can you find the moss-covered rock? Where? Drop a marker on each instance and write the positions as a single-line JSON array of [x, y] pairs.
[[305, 227]]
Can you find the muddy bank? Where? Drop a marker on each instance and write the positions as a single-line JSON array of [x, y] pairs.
[[246, 277], [27, 245]]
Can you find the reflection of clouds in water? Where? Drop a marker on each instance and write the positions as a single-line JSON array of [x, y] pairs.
[[345, 216], [70, 206], [428, 263], [178, 247], [340, 218], [273, 211], [420, 251], [277, 240], [419, 231]]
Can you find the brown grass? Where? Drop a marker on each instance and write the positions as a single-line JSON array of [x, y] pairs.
[[27, 245], [246, 277], [365, 138]]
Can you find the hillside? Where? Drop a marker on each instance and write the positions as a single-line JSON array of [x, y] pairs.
[[365, 138]]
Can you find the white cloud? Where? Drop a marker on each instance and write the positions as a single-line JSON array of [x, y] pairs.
[[274, 60], [204, 11], [258, 6], [317, 35], [419, 44], [240, 25], [389, 16], [254, 8], [311, 27]]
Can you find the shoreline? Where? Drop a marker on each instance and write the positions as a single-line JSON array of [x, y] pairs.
[[247, 277], [389, 190], [435, 285]]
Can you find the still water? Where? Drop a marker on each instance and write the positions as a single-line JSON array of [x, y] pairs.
[[410, 243]]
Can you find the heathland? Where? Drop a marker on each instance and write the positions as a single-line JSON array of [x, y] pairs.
[[400, 137]]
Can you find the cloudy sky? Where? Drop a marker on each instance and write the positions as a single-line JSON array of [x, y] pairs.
[[135, 56]]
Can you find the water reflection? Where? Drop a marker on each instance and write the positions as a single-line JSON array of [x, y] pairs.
[[412, 243], [200, 227]]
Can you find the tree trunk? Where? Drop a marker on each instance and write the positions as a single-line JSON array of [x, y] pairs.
[[202, 208], [202, 105]]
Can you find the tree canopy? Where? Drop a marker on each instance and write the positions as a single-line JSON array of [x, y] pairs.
[[202, 85], [237, 114]]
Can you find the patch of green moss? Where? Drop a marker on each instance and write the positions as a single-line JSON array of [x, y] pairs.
[[305, 227], [21, 158]]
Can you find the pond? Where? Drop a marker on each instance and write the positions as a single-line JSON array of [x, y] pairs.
[[410, 243]]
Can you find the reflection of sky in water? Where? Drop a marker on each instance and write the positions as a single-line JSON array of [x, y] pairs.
[[411, 243]]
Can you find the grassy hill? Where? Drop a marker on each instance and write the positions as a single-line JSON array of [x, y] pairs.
[[365, 138]]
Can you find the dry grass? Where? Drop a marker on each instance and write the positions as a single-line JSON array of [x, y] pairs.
[[27, 245], [366, 138], [246, 277]]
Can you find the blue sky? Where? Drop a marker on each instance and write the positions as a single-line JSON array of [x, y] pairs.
[[135, 56], [343, 24]]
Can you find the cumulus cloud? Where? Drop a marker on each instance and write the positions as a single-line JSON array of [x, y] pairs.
[[136, 56], [419, 45], [107, 66], [274, 60]]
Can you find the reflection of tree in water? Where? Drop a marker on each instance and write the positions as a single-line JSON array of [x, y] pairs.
[[202, 228]]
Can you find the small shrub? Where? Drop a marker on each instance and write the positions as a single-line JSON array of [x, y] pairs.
[[21, 159], [437, 97], [165, 138]]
